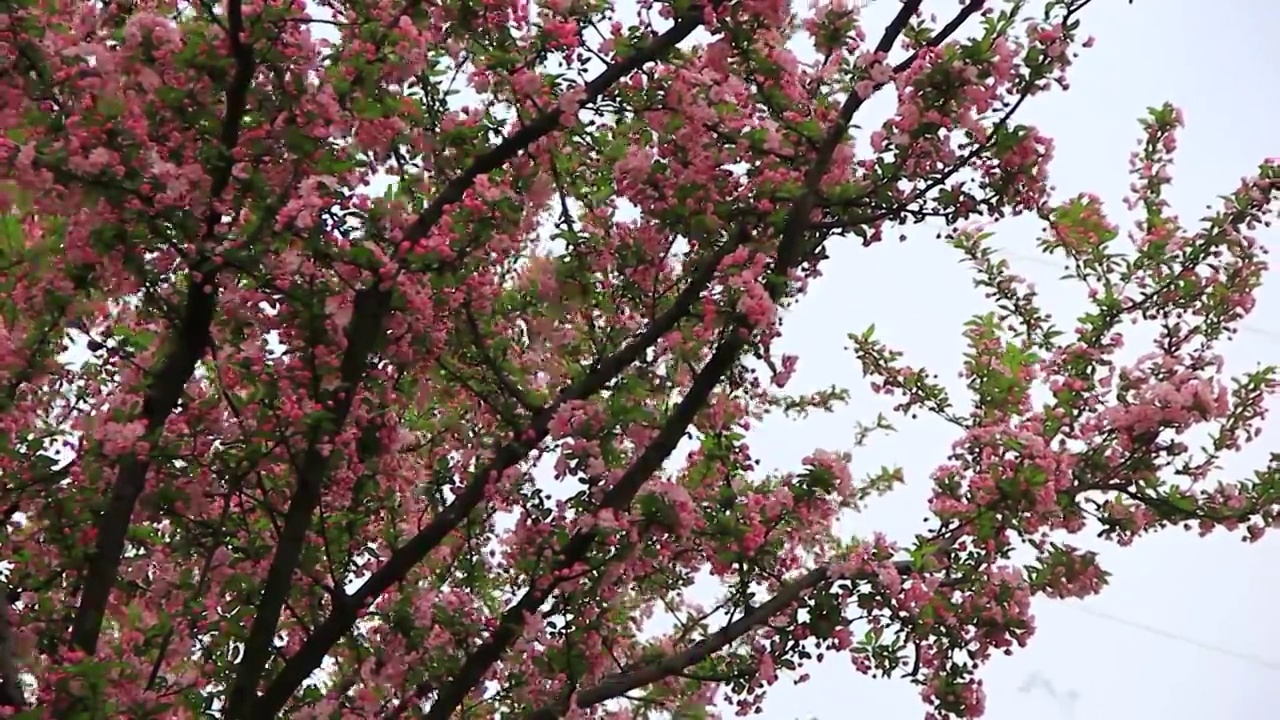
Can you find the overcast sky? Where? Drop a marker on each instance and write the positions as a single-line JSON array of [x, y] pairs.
[[1216, 61]]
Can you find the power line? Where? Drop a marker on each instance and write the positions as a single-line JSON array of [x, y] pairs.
[[1067, 698], [1176, 637]]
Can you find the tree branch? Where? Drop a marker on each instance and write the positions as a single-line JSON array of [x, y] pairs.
[[619, 496], [792, 249], [504, 381], [187, 345], [369, 312], [619, 684], [343, 617], [12, 695]]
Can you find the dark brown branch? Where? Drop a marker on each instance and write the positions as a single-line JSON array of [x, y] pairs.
[[793, 247], [12, 695], [490, 363], [218, 530], [368, 315], [619, 684], [620, 495], [343, 617], [251, 667], [625, 681], [188, 344]]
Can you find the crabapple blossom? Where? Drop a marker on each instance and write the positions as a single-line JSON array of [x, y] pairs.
[[462, 448]]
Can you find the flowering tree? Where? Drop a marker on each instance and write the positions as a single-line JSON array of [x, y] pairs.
[[318, 452]]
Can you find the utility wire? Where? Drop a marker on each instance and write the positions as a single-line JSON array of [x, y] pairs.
[[1177, 637]]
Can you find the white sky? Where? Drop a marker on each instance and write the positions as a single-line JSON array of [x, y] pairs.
[[1216, 60]]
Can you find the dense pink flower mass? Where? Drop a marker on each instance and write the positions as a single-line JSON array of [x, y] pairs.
[[277, 444]]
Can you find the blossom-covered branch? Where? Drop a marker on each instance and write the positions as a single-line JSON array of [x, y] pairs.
[[414, 348]]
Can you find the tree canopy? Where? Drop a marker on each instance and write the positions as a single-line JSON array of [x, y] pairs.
[[277, 443]]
